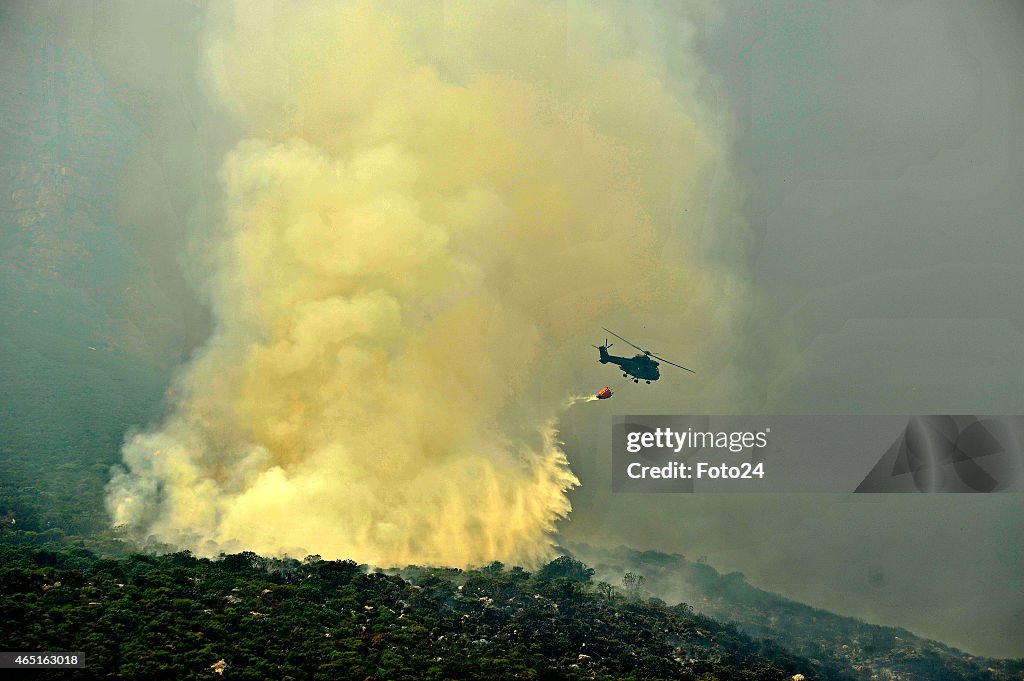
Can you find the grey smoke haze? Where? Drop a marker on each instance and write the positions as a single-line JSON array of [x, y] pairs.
[[878, 146]]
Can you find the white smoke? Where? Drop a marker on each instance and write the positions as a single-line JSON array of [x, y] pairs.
[[577, 399]]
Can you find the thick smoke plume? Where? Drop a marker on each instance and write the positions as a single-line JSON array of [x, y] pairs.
[[429, 207]]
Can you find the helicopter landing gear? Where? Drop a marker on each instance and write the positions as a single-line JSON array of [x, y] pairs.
[[625, 375], [648, 382], [636, 380]]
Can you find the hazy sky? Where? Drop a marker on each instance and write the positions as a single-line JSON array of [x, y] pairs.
[[864, 220], [880, 145]]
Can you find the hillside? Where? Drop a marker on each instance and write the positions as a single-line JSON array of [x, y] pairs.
[[179, 617], [868, 651]]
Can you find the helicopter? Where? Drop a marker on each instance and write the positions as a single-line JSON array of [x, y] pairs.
[[639, 367]]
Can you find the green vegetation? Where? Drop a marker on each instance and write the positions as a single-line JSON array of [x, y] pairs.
[[176, 616], [243, 616]]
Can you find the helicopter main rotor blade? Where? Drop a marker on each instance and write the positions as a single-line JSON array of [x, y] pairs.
[[673, 364], [623, 339]]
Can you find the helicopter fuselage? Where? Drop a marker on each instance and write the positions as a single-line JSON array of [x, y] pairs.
[[639, 366]]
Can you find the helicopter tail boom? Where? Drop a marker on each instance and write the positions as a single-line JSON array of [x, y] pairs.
[[603, 350]]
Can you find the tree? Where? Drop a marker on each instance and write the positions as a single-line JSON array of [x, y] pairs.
[[566, 568], [633, 583], [241, 562]]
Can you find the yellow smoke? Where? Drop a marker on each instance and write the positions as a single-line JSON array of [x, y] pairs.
[[428, 204]]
